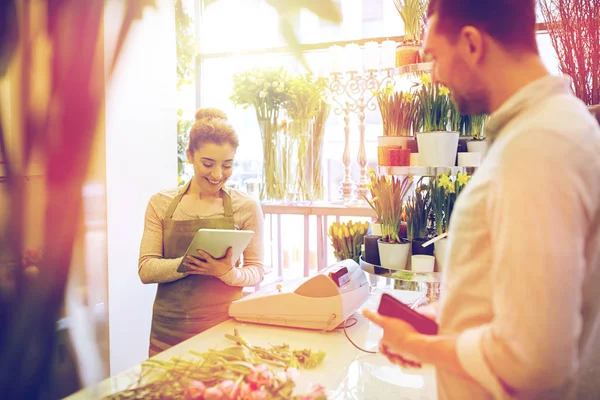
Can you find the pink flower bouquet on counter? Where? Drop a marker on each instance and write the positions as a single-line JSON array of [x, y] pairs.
[[241, 372]]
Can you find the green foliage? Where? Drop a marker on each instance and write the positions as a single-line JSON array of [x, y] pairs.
[[387, 196], [185, 45], [398, 112], [305, 95]]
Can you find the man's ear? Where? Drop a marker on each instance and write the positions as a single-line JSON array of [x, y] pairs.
[[471, 44]]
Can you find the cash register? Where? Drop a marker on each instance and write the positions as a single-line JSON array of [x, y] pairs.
[[322, 301]]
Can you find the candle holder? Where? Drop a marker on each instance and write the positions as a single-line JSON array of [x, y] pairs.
[[354, 93]]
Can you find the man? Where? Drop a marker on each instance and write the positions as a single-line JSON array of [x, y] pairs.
[[519, 312]]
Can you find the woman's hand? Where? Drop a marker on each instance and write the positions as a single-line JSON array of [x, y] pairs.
[[396, 334], [205, 264]]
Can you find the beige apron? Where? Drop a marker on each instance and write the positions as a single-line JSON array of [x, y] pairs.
[[193, 304]]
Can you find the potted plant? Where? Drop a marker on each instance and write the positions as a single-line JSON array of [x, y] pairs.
[[417, 211], [387, 196], [574, 27], [347, 239], [437, 146], [398, 111], [474, 128], [411, 12], [266, 90], [444, 193]]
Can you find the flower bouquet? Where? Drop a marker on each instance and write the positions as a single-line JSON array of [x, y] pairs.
[[266, 90], [347, 239], [304, 104], [242, 371]]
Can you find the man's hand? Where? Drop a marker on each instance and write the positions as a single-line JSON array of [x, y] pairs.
[[429, 310], [396, 333], [205, 264]]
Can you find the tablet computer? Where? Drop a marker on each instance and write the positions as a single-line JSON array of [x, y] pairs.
[[216, 242]]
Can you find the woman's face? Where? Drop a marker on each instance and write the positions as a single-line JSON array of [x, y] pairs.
[[213, 165]]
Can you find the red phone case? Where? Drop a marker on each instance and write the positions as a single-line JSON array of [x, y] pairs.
[[391, 307]]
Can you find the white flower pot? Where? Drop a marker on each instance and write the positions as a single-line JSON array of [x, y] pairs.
[[478, 146], [437, 149], [440, 253], [393, 255], [393, 141]]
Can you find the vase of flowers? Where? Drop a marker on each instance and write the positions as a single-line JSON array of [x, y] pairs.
[[266, 90], [398, 111], [304, 103], [347, 239], [437, 146], [387, 196], [412, 14]]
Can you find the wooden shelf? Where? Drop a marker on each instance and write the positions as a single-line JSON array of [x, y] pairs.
[[423, 171], [412, 68]]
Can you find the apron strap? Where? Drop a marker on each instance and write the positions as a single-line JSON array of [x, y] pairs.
[[176, 200], [227, 204]]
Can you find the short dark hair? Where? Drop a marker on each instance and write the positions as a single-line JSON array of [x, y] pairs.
[[510, 22]]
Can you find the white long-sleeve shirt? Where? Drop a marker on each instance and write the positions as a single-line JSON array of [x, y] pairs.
[[522, 278]]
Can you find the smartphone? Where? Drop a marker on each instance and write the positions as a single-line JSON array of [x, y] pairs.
[[391, 307]]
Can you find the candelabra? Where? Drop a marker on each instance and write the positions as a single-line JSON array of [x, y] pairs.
[[354, 93]]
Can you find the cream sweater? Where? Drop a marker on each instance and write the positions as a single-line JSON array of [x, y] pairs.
[[247, 215]]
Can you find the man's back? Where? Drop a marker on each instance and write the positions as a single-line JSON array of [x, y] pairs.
[[524, 256]]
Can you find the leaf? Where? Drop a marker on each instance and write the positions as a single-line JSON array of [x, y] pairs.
[[324, 9]]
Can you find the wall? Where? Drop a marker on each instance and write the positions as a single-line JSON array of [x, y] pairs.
[[141, 151]]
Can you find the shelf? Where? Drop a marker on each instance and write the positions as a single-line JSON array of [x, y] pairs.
[[412, 68], [403, 275], [423, 171]]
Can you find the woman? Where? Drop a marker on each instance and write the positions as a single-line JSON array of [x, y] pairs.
[[191, 302]]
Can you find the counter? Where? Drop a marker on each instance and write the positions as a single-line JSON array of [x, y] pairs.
[[346, 372]]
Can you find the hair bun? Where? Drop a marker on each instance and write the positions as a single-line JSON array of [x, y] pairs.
[[210, 113]]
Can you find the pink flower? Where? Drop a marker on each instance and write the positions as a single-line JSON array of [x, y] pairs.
[[258, 394], [245, 391], [213, 393], [227, 388], [260, 376], [194, 391], [318, 393]]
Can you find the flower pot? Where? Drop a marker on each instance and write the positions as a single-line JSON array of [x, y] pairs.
[[417, 247], [437, 149], [398, 141], [393, 255], [406, 55], [478, 146], [398, 157], [440, 253], [422, 263]]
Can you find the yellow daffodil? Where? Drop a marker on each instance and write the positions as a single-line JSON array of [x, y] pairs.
[[445, 182], [462, 179], [444, 91], [425, 79], [408, 97], [450, 188]]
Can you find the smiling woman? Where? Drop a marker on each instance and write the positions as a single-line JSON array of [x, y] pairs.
[[198, 299]]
